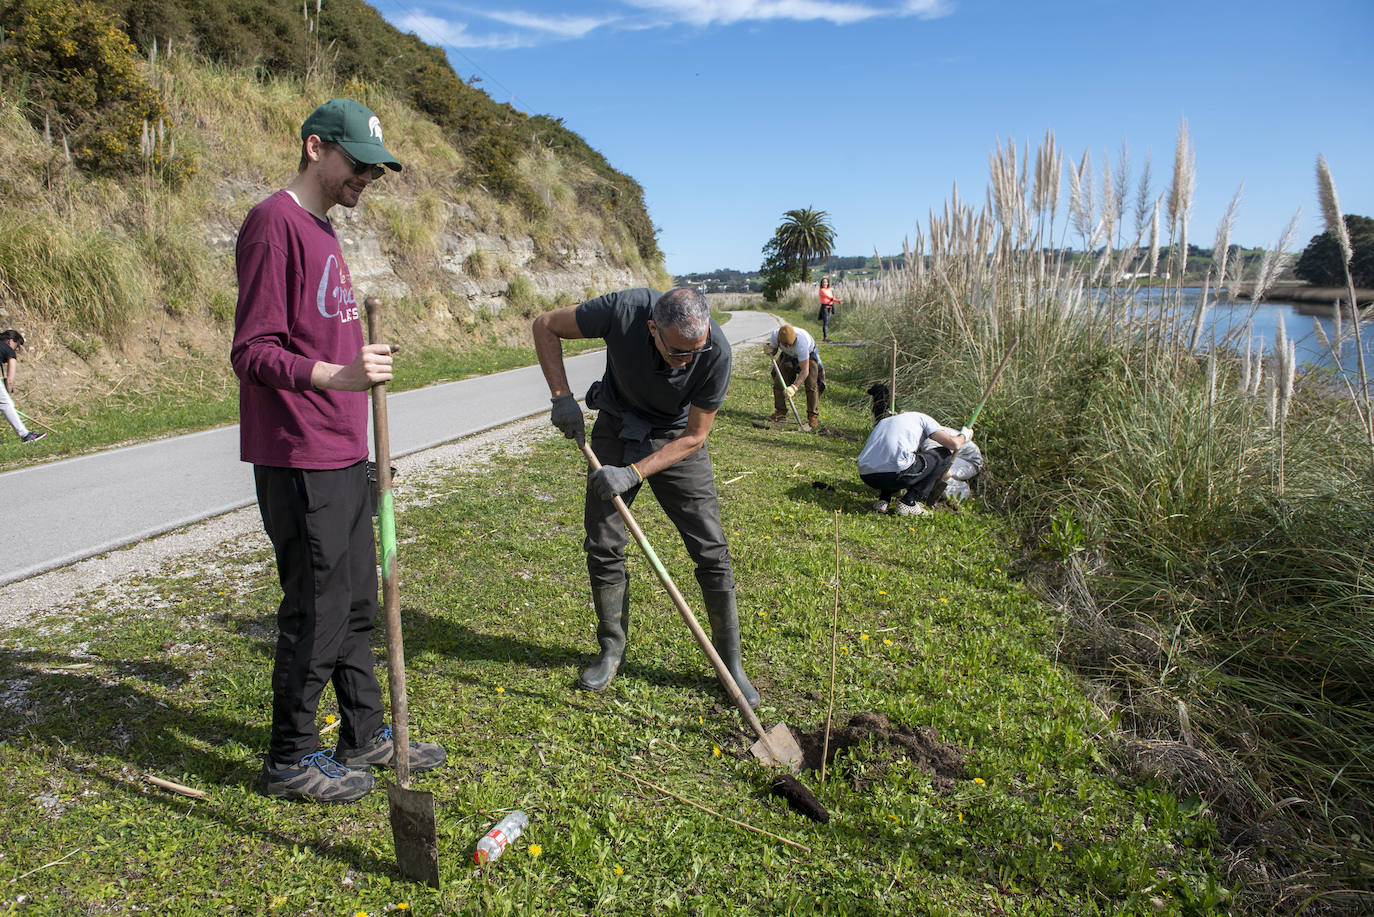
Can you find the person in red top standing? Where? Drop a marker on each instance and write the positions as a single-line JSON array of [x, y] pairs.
[[827, 311], [304, 374]]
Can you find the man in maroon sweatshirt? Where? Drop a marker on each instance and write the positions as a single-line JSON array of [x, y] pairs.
[[304, 374]]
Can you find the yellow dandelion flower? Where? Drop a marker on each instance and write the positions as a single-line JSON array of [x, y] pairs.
[[535, 850], [700, 720], [500, 690], [329, 719], [980, 781], [361, 914], [844, 649], [767, 537], [996, 569], [617, 870], [894, 818], [863, 636], [961, 816], [943, 599], [880, 592], [715, 750], [886, 642], [1057, 845]]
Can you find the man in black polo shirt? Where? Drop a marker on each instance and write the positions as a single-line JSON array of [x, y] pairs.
[[667, 370]]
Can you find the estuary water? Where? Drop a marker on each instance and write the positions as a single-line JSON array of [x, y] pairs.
[[1229, 319]]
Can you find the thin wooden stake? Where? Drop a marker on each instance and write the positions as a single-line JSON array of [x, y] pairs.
[[711, 812], [892, 389], [834, 638], [175, 787]]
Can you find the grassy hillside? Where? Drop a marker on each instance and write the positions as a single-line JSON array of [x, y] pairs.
[[116, 248]]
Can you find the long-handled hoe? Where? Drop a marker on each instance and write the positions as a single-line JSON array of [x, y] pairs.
[[800, 426], [412, 811], [776, 746]]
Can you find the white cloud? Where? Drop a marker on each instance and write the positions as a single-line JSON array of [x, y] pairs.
[[529, 29], [437, 31], [928, 9], [727, 12], [560, 26]]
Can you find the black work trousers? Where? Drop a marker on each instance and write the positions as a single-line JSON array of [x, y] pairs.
[[320, 524], [922, 480], [687, 493]]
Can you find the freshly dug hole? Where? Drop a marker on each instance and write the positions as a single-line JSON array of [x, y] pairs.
[[921, 746]]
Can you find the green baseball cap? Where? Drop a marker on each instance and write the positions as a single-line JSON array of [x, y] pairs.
[[352, 126]]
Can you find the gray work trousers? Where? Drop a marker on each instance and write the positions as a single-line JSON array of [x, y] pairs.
[[687, 493]]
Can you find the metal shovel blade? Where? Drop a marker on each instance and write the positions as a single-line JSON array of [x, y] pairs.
[[413, 830], [778, 747]]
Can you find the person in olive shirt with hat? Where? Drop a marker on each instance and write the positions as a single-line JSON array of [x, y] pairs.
[[304, 374], [667, 371]]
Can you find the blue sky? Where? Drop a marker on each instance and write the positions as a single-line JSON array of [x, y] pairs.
[[730, 112]]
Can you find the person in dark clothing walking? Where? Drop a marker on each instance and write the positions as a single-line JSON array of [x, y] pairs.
[[11, 342], [304, 374], [667, 371]]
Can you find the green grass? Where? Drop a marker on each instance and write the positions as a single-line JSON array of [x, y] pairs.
[[169, 675]]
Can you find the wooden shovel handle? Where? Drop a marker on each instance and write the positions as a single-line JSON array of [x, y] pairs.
[[783, 382], [722, 672], [391, 595]]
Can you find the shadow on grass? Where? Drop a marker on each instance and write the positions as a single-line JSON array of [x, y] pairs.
[[428, 633], [830, 494], [95, 709]]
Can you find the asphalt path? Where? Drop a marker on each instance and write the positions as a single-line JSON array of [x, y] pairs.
[[76, 508]]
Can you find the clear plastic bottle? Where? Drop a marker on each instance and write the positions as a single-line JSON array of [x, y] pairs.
[[499, 838]]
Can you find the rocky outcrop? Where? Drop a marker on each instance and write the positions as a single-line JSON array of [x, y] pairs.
[[479, 271]]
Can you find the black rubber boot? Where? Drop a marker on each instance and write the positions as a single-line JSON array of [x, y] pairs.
[[612, 630], [720, 608]]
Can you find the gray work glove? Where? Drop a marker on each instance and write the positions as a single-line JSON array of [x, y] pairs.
[[567, 417], [613, 480]]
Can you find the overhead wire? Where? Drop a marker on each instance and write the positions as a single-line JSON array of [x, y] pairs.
[[435, 40]]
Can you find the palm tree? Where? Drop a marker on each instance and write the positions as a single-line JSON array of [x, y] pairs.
[[806, 236]]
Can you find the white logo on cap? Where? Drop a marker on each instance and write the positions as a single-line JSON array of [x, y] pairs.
[[374, 127]]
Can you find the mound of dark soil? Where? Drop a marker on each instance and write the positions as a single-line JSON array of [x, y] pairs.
[[921, 746]]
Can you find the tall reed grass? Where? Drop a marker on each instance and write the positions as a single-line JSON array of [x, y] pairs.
[[1221, 600]]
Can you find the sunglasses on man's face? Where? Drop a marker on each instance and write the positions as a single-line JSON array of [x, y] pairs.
[[673, 352], [361, 168]]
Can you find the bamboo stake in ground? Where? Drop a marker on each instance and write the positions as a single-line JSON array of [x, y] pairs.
[[892, 389]]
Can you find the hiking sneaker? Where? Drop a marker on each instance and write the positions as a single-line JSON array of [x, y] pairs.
[[880, 506], [911, 509], [315, 778], [31, 437], [380, 749]]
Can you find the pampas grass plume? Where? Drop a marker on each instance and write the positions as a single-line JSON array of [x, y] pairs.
[[1331, 208]]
